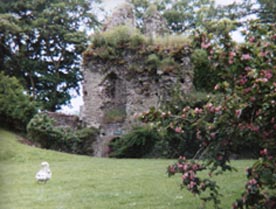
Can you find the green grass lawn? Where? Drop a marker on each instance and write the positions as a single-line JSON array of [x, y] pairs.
[[81, 182]]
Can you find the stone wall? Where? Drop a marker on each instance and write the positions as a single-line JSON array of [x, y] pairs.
[[64, 120], [133, 78], [114, 95]]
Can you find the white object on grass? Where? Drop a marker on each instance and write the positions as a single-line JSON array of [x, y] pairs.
[[44, 174]]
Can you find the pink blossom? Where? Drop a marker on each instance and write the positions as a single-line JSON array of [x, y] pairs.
[[205, 45], [191, 185], [258, 112], [218, 108], [213, 135], [185, 167], [178, 130], [216, 87], [198, 110], [195, 167], [231, 57], [251, 39], [247, 68], [238, 113], [267, 73], [263, 152], [163, 114], [253, 127], [209, 106], [261, 80], [252, 181], [243, 80], [191, 175], [266, 44], [220, 157], [246, 57], [182, 158], [232, 54], [179, 165], [171, 169], [186, 109], [262, 54], [252, 99], [185, 176]]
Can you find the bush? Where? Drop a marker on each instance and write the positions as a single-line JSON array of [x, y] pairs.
[[118, 37], [136, 144], [204, 77], [146, 142], [16, 108], [245, 114], [43, 130], [153, 62]]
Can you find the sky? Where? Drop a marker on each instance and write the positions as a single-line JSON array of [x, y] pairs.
[[109, 5]]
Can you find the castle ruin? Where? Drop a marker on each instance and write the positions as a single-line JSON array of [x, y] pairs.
[[135, 78]]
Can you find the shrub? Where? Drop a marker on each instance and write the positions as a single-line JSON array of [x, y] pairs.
[[136, 144], [169, 65], [118, 37], [153, 62], [244, 114], [204, 77], [43, 130], [16, 108]]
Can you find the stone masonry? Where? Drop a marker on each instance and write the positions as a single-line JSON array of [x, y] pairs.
[[111, 97]]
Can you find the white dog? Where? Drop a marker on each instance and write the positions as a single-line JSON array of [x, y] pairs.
[[44, 174]]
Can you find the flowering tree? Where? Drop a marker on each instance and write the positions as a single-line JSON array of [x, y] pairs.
[[243, 111]]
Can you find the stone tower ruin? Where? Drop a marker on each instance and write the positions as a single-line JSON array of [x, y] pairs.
[[116, 86]]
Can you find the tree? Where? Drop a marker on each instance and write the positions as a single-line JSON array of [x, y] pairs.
[[41, 44], [16, 108], [243, 114], [186, 15], [267, 11]]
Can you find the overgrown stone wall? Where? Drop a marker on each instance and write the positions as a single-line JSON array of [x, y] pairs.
[[64, 120], [114, 90], [126, 72]]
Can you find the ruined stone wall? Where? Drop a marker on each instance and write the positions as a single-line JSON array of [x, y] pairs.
[[126, 72], [113, 93], [64, 120]]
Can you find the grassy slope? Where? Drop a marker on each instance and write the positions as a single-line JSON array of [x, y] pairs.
[[81, 182]]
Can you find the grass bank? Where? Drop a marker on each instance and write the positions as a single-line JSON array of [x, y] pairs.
[[81, 182]]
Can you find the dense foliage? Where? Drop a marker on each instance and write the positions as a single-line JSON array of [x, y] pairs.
[[136, 144], [16, 108], [41, 43], [183, 16], [245, 114], [44, 131]]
